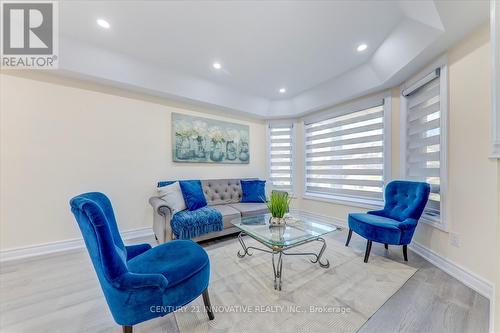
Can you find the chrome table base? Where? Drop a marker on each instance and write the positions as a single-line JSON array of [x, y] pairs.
[[282, 251]]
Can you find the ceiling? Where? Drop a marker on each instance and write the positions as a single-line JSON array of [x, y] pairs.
[[167, 48]]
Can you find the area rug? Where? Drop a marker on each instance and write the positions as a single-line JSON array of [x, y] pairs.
[[340, 298]]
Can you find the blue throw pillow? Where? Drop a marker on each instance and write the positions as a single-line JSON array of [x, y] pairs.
[[193, 194], [253, 190]]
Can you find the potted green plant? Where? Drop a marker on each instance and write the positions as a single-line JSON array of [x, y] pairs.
[[278, 205]]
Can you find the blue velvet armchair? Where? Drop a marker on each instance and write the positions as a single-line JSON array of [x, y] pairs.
[[139, 282], [395, 224]]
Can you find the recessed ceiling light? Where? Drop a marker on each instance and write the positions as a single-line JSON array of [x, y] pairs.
[[362, 47], [103, 23], [217, 65], [282, 90]]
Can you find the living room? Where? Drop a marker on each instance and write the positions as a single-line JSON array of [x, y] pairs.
[[298, 166]]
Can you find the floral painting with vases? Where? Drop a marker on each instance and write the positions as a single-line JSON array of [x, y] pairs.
[[203, 140]]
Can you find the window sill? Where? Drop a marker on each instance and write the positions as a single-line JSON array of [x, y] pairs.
[[352, 202], [436, 223]]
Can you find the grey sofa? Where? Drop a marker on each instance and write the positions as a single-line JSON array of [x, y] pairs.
[[221, 194]]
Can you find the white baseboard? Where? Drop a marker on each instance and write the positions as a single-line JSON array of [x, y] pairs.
[[61, 246], [478, 284]]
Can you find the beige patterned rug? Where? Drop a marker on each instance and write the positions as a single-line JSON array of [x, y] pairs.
[[340, 298]]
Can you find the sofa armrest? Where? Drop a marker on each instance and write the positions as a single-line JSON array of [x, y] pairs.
[[162, 214], [160, 206]]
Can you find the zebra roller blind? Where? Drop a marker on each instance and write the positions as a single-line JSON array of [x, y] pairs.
[[423, 140], [281, 157], [345, 155]]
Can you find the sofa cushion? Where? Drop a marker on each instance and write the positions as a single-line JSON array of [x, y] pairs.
[[193, 194], [228, 214], [221, 191], [250, 208], [253, 190]]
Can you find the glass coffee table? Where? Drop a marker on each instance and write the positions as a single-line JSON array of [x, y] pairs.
[[299, 229]]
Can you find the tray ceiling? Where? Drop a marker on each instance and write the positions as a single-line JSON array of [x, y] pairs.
[[167, 48]]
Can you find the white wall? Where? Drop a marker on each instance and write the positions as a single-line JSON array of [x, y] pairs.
[[472, 190], [473, 177], [59, 138]]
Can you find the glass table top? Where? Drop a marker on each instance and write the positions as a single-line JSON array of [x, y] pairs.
[[300, 227]]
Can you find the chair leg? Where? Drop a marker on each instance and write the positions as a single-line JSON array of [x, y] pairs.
[[405, 252], [368, 249], [208, 306], [386, 246], [127, 329], [348, 238]]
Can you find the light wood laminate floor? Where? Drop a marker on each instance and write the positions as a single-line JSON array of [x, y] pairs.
[[60, 293]]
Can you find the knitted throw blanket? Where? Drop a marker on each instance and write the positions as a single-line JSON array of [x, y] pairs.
[[191, 224]]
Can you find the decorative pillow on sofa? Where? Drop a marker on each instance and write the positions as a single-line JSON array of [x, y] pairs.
[[253, 190], [193, 194], [172, 194]]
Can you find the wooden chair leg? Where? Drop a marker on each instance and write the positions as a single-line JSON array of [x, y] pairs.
[[386, 246], [405, 252], [208, 306], [348, 238], [368, 249], [127, 329]]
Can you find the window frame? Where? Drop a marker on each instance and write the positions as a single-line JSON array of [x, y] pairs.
[[384, 99], [287, 122], [442, 63]]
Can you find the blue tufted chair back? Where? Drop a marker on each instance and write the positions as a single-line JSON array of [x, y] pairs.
[[95, 217], [405, 199]]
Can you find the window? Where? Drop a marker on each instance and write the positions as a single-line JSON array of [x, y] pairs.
[[345, 154], [424, 138], [281, 156]]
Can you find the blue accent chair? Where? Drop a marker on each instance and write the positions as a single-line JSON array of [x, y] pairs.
[[139, 282], [395, 224]]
